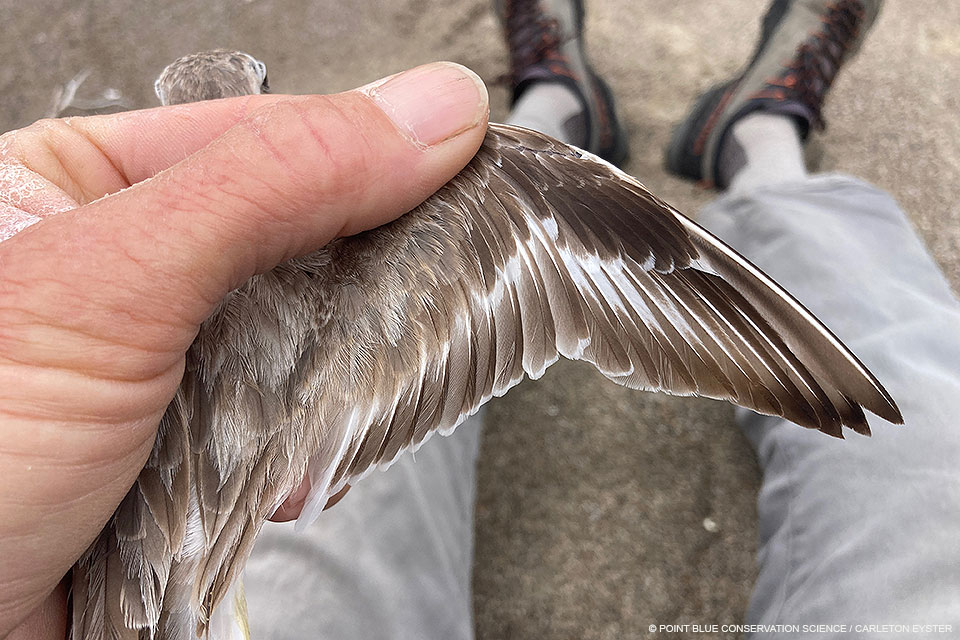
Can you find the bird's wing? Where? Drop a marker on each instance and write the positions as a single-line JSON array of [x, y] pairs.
[[535, 250]]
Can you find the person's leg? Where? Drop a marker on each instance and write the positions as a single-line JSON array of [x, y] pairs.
[[865, 530], [393, 559], [861, 531], [553, 109]]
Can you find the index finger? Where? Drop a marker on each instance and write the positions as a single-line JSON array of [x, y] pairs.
[[119, 150]]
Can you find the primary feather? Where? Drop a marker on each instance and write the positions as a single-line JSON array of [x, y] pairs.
[[333, 364]]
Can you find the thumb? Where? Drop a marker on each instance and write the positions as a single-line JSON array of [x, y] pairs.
[[288, 177]]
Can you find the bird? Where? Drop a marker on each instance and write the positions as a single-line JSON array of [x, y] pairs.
[[334, 363]]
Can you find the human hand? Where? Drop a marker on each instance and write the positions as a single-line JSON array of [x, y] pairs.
[[99, 303]]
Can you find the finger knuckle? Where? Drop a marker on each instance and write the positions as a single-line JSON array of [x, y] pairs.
[[323, 144]]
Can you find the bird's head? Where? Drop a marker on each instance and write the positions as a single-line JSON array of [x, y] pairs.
[[210, 75]]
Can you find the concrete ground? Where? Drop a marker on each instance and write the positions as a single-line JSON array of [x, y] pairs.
[[594, 500]]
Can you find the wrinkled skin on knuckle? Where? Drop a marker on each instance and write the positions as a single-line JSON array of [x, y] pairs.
[[348, 145], [334, 149], [68, 158], [36, 147]]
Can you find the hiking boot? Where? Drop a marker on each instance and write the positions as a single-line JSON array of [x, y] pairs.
[[803, 44], [545, 38]]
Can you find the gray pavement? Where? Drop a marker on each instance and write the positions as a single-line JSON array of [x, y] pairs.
[[601, 510]]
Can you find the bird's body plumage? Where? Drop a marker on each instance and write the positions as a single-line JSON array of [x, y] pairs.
[[334, 363]]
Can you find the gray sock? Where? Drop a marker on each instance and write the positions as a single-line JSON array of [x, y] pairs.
[[554, 109], [761, 149]]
